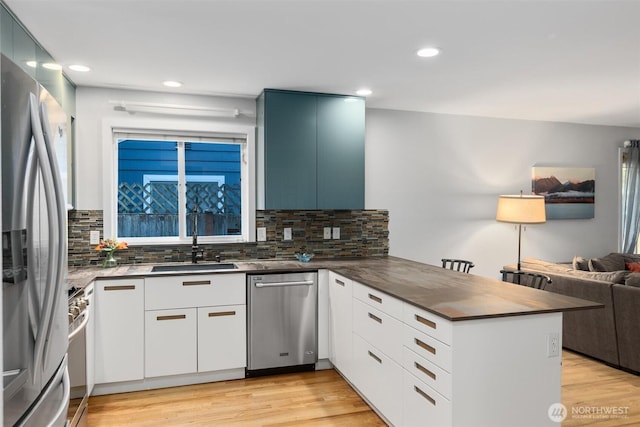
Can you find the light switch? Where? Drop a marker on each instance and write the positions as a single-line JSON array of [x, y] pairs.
[[287, 233], [336, 233], [94, 237], [327, 232], [262, 234]]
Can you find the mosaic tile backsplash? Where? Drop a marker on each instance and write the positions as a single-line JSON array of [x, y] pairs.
[[363, 233]]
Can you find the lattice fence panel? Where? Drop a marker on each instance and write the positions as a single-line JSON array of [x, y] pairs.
[[151, 209]]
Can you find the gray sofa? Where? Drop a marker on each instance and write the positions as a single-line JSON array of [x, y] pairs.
[[611, 334]]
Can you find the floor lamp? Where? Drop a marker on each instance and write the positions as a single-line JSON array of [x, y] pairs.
[[521, 209]]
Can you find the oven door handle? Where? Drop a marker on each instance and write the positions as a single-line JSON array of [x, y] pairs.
[[80, 327], [279, 284]]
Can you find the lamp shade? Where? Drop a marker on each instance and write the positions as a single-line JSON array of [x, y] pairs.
[[521, 209]]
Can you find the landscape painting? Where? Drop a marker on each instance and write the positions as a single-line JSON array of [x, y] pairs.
[[569, 193]]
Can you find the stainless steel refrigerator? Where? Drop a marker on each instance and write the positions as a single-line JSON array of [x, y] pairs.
[[34, 294]]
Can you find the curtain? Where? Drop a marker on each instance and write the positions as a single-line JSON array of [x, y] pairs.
[[630, 196]]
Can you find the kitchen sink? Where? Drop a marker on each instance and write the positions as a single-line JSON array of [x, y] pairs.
[[193, 267]]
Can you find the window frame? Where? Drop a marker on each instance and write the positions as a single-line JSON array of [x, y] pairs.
[[177, 127]]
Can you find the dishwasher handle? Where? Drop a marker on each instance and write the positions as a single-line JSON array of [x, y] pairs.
[[280, 284]]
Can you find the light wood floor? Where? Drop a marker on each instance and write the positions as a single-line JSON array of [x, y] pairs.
[[589, 386], [323, 398]]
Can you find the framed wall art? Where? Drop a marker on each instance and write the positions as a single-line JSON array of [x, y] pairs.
[[569, 193]]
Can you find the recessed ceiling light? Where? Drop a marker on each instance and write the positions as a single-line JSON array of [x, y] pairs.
[[52, 66], [79, 67], [428, 52], [32, 64], [171, 83], [364, 92]]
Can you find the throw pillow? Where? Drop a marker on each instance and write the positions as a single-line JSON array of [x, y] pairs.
[[612, 262], [633, 279], [631, 257], [633, 266], [580, 263]]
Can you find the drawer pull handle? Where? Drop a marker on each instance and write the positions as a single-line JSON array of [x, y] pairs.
[[425, 395], [196, 283], [425, 346], [173, 317], [376, 318], [425, 371], [339, 282], [424, 321], [222, 313], [376, 358], [120, 288], [375, 298]]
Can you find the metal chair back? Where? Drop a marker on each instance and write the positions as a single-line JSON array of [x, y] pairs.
[[457, 264], [526, 278]]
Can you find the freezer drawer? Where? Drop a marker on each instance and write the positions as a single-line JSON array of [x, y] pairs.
[[282, 320]]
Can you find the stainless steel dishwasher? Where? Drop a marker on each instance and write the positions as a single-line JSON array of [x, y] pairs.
[[282, 324]]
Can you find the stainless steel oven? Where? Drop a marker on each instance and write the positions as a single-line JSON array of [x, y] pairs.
[[79, 315]]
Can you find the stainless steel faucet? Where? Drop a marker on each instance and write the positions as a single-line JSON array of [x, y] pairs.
[[196, 253]]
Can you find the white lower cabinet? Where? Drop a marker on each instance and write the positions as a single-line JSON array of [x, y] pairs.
[[423, 406], [418, 369], [119, 330], [378, 378], [341, 323], [195, 324], [323, 315], [170, 342], [91, 336], [222, 342], [379, 329]]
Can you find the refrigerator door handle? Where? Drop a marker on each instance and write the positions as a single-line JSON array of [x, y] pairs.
[[25, 189], [57, 248], [49, 294], [61, 413]]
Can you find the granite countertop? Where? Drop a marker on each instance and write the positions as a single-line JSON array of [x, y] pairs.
[[450, 294]]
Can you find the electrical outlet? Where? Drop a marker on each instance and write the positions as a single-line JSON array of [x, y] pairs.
[[327, 233], [262, 234], [553, 345], [94, 237], [287, 234], [336, 233]]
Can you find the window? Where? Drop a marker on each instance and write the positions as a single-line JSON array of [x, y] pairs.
[[168, 185]]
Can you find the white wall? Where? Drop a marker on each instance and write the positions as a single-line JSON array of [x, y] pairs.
[[93, 108], [440, 176]]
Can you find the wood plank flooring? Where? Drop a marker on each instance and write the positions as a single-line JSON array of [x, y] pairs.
[[323, 398], [589, 386]]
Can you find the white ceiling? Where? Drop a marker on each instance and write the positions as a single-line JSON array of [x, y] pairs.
[[562, 60]]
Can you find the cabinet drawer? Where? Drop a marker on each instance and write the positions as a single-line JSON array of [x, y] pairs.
[[428, 347], [379, 379], [340, 282], [222, 337], [169, 292], [341, 324], [422, 405], [170, 342], [377, 328], [426, 371], [387, 304], [119, 330], [430, 324]]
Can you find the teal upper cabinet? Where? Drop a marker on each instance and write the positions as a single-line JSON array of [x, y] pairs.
[[340, 149], [313, 150]]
